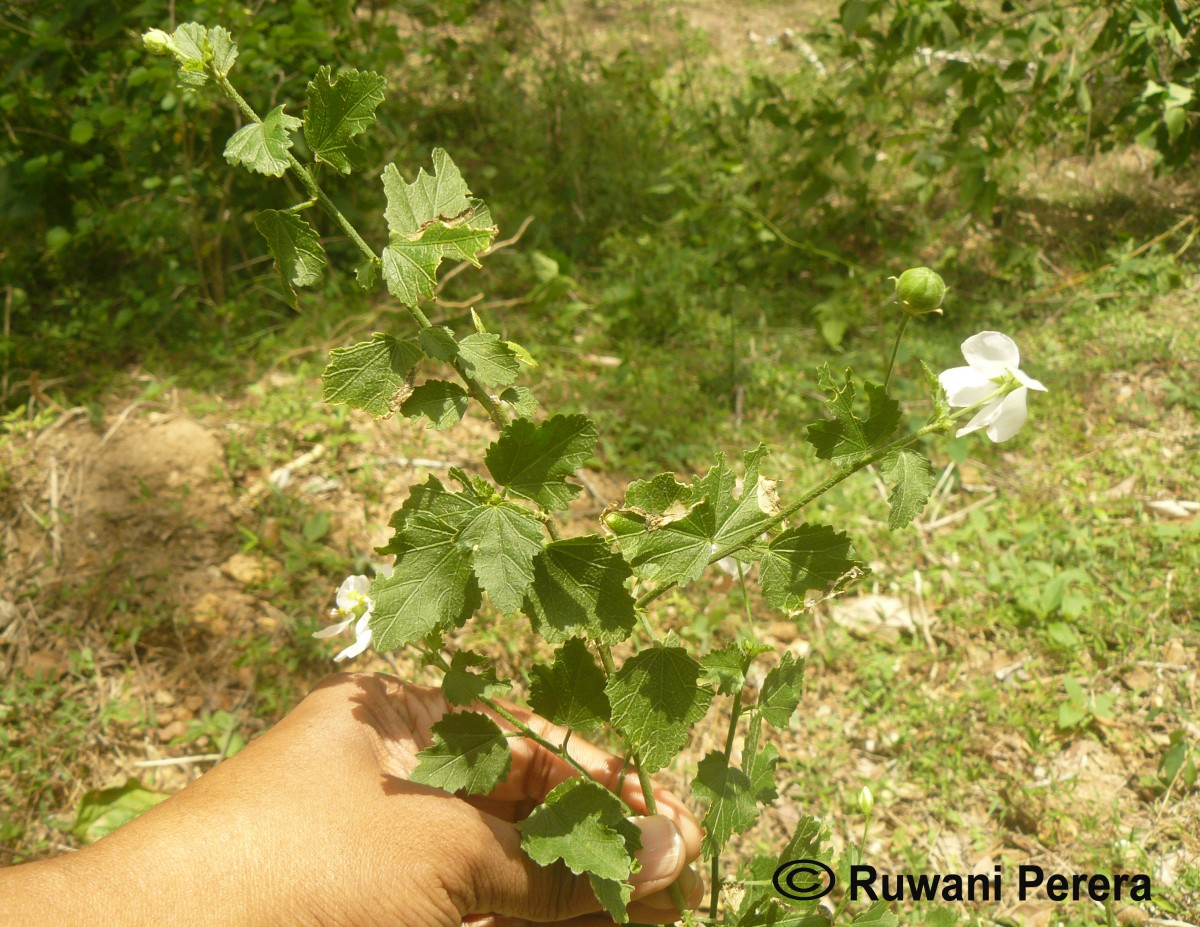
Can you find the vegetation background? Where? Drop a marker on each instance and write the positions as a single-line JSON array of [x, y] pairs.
[[707, 200]]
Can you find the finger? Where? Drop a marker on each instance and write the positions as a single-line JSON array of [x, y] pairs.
[[659, 907]]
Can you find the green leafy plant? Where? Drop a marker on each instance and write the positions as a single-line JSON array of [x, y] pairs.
[[494, 530]]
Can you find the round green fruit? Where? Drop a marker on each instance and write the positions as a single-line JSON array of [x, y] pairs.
[[920, 291]]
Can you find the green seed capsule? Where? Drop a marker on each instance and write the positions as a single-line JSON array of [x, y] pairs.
[[920, 290]]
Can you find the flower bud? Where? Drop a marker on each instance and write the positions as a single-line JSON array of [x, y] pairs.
[[866, 801], [157, 41], [920, 291]]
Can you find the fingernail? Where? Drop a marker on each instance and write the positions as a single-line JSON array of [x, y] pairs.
[[689, 884], [662, 849]]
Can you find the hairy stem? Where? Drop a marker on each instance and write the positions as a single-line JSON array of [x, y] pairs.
[[525, 730], [495, 413], [895, 348], [847, 470]]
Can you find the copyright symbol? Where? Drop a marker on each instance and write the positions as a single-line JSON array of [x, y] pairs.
[[803, 879]]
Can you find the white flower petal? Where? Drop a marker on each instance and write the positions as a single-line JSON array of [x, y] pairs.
[[991, 353], [965, 386], [334, 629], [352, 591], [361, 642], [983, 418], [1026, 380], [1011, 416]]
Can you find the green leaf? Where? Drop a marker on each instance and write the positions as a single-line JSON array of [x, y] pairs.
[[584, 825], [877, 915], [370, 375], [664, 529], [740, 517], [912, 481], [263, 146], [443, 403], [804, 558], [781, 692], [298, 254], [726, 666], [104, 810], [366, 274], [613, 896], [463, 687], [224, 51], [502, 540], [432, 586], [339, 109], [848, 435], [438, 342], [762, 775], [190, 46], [570, 692], [730, 794], [655, 701], [488, 359], [520, 400], [469, 753], [428, 220], [937, 393], [533, 461], [579, 589]]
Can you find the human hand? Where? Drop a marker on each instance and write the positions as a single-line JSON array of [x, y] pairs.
[[316, 822]]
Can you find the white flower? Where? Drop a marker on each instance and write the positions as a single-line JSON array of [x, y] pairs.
[[354, 607], [992, 358]]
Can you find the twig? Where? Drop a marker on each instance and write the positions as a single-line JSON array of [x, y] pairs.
[[957, 515], [55, 526], [1080, 278], [497, 246], [119, 422], [180, 760]]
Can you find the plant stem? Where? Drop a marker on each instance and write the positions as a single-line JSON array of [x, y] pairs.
[[320, 196], [858, 463], [314, 190], [895, 348], [526, 731]]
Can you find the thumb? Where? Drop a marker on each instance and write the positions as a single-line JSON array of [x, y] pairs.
[[504, 880]]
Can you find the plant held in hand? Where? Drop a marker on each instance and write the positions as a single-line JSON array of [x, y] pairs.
[[492, 531]]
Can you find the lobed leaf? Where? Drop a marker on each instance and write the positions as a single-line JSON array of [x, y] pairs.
[[725, 668], [469, 753], [520, 400], [912, 481], [730, 794], [432, 586], [263, 146], [339, 109], [443, 403], [848, 434], [664, 529], [570, 692], [809, 557], [462, 686], [655, 701], [781, 691], [371, 374], [428, 220], [670, 531], [224, 51], [533, 460], [298, 254], [579, 589], [488, 359], [502, 540], [584, 825]]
